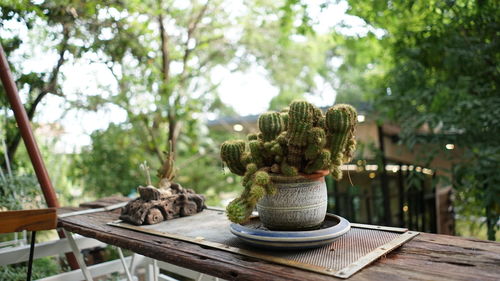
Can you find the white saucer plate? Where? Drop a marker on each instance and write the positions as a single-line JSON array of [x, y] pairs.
[[255, 234]]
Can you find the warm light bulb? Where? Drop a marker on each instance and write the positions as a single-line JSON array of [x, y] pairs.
[[238, 127]]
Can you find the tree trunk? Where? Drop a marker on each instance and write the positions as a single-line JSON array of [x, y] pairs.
[[491, 222], [172, 122]]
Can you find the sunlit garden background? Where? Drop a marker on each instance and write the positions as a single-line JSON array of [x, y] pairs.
[[109, 84]]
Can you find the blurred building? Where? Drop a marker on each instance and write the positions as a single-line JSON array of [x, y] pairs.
[[386, 183]]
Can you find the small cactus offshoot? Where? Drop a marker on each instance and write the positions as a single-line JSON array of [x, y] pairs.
[[299, 139]]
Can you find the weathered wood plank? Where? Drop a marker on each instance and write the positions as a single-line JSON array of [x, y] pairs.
[[31, 220], [426, 257], [103, 202]]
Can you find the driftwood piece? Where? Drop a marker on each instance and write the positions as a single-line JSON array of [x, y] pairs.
[[154, 216], [148, 193], [156, 205]]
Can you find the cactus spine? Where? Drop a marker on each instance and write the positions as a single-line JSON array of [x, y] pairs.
[[296, 140]]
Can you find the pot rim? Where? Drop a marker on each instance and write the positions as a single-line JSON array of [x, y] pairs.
[[316, 176]]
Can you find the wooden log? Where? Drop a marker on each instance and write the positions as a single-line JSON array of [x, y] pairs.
[[31, 220]]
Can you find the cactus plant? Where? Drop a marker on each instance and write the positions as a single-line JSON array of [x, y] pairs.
[[299, 139]]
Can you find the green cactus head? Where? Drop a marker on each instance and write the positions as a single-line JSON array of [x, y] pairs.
[[340, 122], [271, 125], [252, 136], [262, 178], [317, 136], [231, 152], [238, 211], [300, 121], [340, 118]]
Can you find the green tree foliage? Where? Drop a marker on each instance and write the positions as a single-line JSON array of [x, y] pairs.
[[18, 192], [364, 62], [57, 27], [162, 55], [163, 83], [442, 73], [278, 35], [111, 164], [163, 77], [42, 268]]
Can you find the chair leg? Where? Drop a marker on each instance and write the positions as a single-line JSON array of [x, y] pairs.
[[32, 251], [131, 265], [152, 269], [156, 270], [125, 267], [78, 255]]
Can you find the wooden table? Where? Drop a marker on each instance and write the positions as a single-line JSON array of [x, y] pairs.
[[426, 257]]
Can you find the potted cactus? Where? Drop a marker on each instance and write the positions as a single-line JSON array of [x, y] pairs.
[[283, 166]]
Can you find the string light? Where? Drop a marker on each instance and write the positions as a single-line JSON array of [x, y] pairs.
[[427, 171], [349, 167], [393, 168], [361, 166]]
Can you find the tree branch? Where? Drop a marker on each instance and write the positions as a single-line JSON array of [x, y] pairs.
[[164, 50], [51, 86], [191, 29]]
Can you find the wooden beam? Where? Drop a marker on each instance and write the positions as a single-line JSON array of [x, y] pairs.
[[31, 220]]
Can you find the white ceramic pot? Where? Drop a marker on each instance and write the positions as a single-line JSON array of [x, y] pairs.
[[298, 204]]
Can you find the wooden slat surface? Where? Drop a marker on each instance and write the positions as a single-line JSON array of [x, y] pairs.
[[426, 257], [31, 220]]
